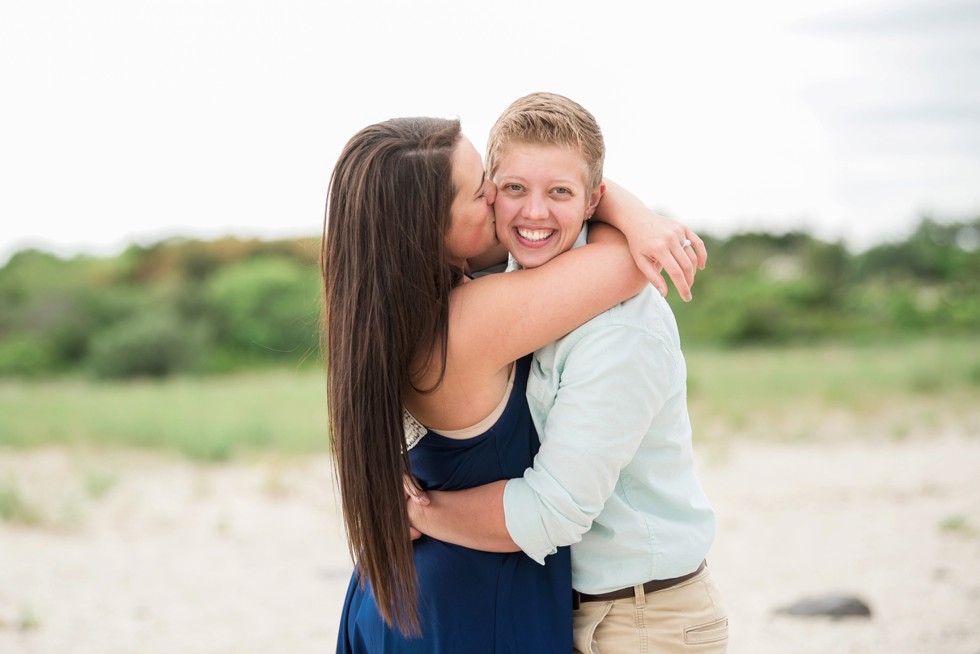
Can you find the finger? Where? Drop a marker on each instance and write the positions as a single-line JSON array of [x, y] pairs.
[[409, 485], [689, 263], [651, 269], [683, 259], [413, 491], [677, 275], [693, 256], [699, 248]]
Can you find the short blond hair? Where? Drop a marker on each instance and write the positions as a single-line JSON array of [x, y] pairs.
[[549, 119]]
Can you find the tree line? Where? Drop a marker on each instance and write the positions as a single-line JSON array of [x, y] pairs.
[[189, 306]]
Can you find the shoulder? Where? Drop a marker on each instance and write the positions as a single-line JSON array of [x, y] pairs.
[[640, 330], [647, 312], [644, 317]]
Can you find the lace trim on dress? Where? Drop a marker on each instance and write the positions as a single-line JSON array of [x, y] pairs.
[[414, 431]]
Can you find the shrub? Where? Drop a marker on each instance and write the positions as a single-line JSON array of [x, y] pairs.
[[153, 344], [25, 355], [267, 308]]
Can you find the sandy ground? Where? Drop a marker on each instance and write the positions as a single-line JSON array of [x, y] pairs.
[[140, 553]]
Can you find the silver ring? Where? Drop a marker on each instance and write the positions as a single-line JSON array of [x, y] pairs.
[[686, 243]]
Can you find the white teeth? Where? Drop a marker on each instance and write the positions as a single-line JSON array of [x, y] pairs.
[[534, 234]]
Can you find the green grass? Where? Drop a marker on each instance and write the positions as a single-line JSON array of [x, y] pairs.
[[836, 373], [957, 524], [206, 418], [14, 508], [898, 388], [28, 621], [98, 483]]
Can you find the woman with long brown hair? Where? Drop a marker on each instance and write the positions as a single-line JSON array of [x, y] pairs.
[[412, 340]]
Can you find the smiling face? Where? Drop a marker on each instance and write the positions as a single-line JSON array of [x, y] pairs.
[[543, 198], [472, 230]]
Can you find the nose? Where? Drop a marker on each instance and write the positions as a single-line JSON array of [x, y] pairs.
[[490, 192], [535, 207]]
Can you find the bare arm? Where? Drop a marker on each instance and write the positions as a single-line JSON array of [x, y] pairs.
[[656, 242], [521, 311], [473, 517]]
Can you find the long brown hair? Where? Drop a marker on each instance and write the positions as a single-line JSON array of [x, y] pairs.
[[386, 307]]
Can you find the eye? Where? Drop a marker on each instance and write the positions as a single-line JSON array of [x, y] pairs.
[[561, 190], [514, 188]]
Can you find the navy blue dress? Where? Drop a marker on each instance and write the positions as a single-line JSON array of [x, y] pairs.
[[473, 602]]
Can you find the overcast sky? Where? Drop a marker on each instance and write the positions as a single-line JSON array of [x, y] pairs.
[[131, 120]]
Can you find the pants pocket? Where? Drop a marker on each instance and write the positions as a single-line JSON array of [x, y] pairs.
[[585, 621], [710, 632]]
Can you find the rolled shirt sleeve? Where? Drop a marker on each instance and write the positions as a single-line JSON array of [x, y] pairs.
[[612, 380]]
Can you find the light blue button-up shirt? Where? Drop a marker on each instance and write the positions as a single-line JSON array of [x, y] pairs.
[[615, 474]]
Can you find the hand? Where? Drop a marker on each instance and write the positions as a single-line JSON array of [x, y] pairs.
[[416, 499], [661, 244], [657, 243]]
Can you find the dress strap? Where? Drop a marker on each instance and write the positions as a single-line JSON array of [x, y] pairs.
[[415, 430]]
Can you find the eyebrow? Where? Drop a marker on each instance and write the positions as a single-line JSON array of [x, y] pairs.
[[558, 180]]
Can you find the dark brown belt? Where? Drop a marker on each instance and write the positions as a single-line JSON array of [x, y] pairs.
[[623, 593]]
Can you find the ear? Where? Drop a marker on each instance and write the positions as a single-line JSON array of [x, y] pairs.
[[594, 200]]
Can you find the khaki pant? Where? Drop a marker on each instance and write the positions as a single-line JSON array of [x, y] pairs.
[[688, 617]]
